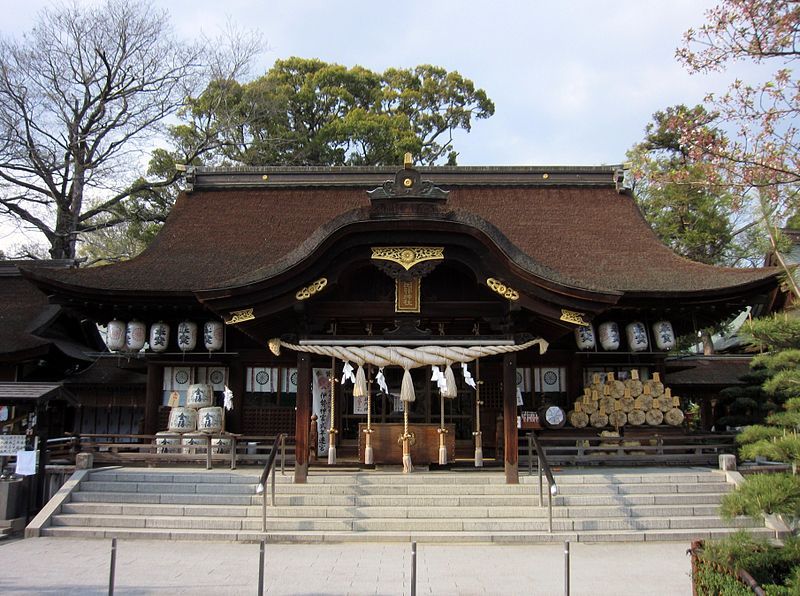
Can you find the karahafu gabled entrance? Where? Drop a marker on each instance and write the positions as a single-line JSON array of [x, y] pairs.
[[407, 356]]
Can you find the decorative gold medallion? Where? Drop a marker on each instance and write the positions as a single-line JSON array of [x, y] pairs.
[[408, 256], [239, 316], [310, 290], [407, 295], [570, 316], [502, 289]]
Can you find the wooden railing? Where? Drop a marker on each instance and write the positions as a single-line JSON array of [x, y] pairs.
[[565, 448], [124, 449]]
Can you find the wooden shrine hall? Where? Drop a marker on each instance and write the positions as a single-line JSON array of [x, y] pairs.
[[452, 306]]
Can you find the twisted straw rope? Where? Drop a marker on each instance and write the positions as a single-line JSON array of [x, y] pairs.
[[406, 357]]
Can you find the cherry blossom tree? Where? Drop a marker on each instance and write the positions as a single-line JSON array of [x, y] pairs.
[[757, 157]]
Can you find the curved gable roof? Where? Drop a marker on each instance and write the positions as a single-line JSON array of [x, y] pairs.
[[577, 234]]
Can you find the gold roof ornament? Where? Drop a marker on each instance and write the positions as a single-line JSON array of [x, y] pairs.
[[408, 160], [407, 256], [570, 316]]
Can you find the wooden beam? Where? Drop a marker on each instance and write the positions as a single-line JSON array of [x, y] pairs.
[[510, 418], [302, 417], [153, 398]]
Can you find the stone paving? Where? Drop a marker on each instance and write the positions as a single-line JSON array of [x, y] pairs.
[[81, 566]]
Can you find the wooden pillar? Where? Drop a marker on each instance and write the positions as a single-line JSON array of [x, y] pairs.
[[302, 417], [153, 398], [233, 419], [510, 418]]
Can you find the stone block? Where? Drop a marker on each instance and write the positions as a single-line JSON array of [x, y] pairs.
[[727, 462], [84, 461]]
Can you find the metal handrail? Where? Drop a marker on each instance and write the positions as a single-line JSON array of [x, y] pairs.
[[261, 488], [543, 466]]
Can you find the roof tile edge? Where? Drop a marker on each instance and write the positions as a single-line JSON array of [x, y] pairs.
[[202, 178]]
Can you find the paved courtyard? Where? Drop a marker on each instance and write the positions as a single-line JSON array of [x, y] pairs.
[[80, 566]]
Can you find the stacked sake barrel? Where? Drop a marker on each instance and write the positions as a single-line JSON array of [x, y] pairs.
[[612, 402], [197, 415]]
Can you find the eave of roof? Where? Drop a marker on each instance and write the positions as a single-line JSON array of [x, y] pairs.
[[33, 392], [571, 228], [208, 178]]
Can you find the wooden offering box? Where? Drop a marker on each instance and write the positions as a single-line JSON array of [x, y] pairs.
[[387, 449]]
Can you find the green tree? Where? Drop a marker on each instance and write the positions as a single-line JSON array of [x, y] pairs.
[[777, 440], [691, 209], [309, 112]]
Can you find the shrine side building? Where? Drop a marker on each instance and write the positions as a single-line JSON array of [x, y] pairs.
[[380, 258]]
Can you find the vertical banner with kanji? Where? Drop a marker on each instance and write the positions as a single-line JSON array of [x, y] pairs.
[[321, 406]]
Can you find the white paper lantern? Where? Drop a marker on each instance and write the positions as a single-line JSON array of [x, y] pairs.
[[212, 335], [664, 335], [636, 333], [187, 336], [609, 335], [135, 335], [200, 395], [115, 335], [159, 337], [584, 337]]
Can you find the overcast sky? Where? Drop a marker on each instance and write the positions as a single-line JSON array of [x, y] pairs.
[[573, 82]]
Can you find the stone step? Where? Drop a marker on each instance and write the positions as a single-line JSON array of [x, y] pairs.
[[421, 537], [609, 511], [396, 525], [174, 477], [390, 489], [421, 478], [627, 500], [455, 506]]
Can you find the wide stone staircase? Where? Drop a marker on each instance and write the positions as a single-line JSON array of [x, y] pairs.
[[383, 505]]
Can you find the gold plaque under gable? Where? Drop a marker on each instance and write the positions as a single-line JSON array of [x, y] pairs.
[[407, 295]]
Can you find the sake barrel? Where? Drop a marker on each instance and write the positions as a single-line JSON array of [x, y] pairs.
[[674, 417], [654, 417], [199, 396], [167, 442], [182, 420], [578, 419], [598, 420], [617, 419], [617, 389], [194, 443], [220, 445], [636, 417], [209, 420]]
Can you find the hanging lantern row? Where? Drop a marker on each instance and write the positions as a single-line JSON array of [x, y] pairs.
[[131, 336], [608, 335]]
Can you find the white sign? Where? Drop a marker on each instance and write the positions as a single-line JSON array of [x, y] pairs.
[[26, 463], [360, 405], [10, 444]]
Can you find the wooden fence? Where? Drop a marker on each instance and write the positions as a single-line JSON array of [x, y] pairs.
[[685, 449]]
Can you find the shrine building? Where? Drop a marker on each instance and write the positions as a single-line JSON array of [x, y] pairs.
[[453, 306]]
